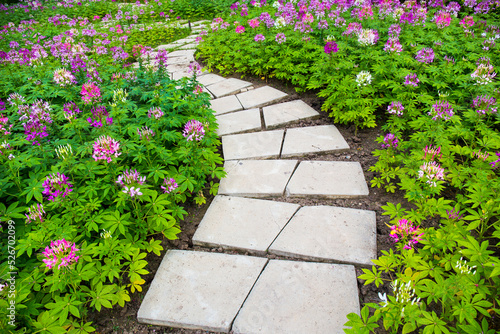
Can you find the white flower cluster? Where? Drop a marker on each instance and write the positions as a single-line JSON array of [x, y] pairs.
[[363, 78]]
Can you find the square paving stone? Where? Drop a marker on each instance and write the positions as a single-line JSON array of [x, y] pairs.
[[260, 97], [210, 79], [256, 178], [287, 113], [329, 233], [199, 290], [225, 104], [299, 298], [241, 121], [328, 179], [257, 145], [228, 87], [313, 139], [243, 223]]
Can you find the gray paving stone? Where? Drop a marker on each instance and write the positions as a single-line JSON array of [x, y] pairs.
[[180, 60], [287, 113], [199, 290], [190, 46], [257, 145], [177, 67], [260, 96], [299, 297], [256, 178], [329, 233], [181, 53], [172, 45], [225, 104], [237, 122], [227, 87], [328, 179], [186, 40], [243, 223], [313, 139], [210, 79]]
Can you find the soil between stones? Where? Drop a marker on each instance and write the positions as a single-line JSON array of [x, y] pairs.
[[124, 320]]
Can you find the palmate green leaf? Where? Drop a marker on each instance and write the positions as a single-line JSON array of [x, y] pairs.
[[48, 324], [102, 295]]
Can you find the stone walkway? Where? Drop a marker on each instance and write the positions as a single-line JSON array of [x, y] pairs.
[[254, 294]]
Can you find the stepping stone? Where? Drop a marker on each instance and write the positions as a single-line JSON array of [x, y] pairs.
[[225, 104], [241, 121], [185, 40], [257, 145], [227, 87], [191, 46], [178, 67], [167, 46], [319, 233], [260, 97], [328, 179], [256, 178], [313, 139], [243, 223], [199, 290], [287, 113], [299, 297], [180, 60], [181, 53], [210, 79]]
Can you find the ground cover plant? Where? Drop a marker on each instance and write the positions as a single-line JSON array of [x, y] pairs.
[[97, 158], [427, 74]]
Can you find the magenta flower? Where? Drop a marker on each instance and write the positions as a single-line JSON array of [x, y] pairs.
[[195, 68], [330, 47], [106, 148], [467, 22], [431, 172], [169, 186], [35, 213], [56, 185], [494, 163], [405, 231], [396, 108], [130, 182], [161, 58], [254, 23], [145, 133], [90, 93], [394, 31], [393, 45], [99, 113], [193, 130], [441, 110], [443, 19], [411, 80], [70, 110], [280, 38], [4, 129], [390, 140], [432, 152], [60, 253], [483, 104], [155, 112], [259, 38], [240, 29], [426, 55]]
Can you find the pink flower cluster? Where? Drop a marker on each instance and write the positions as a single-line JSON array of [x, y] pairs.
[[169, 185], [130, 182], [99, 113], [425, 55], [60, 253], [432, 152], [145, 133], [63, 77], [4, 129], [390, 140], [155, 112], [35, 213], [431, 172], [411, 80], [56, 185], [105, 148], [443, 19], [193, 130], [396, 108], [280, 38], [405, 231], [483, 104], [70, 110], [90, 93], [441, 110]]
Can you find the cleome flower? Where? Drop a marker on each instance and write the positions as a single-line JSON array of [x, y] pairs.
[[105, 148], [56, 185], [169, 185], [60, 253], [130, 182], [193, 130], [363, 78], [405, 232], [431, 172]]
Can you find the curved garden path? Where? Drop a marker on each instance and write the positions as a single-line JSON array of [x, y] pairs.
[[316, 288]]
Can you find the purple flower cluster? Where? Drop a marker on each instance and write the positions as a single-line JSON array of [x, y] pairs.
[[259, 38], [70, 110], [280, 38], [330, 47], [130, 182], [411, 80], [393, 45], [394, 31], [494, 163], [390, 140], [441, 110], [60, 253], [425, 55], [195, 68], [396, 108], [99, 113], [193, 130], [35, 213], [169, 185], [431, 172], [145, 133], [56, 185], [4, 129], [161, 58], [106, 148], [35, 119], [90, 93], [484, 104]]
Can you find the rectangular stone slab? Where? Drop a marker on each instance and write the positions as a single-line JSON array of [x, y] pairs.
[[225, 104], [199, 290], [256, 145], [260, 96], [319, 233], [328, 179], [210, 79], [313, 139], [181, 53], [228, 87], [256, 178], [287, 113], [243, 223], [299, 297], [237, 122]]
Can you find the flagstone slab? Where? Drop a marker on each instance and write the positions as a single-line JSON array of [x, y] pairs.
[[180, 60], [299, 297], [225, 104], [210, 79], [256, 145], [186, 40], [241, 121], [328, 179], [243, 223], [227, 87], [199, 290], [313, 139], [332, 234], [178, 67], [256, 178], [181, 53], [190, 46], [260, 96], [288, 113]]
